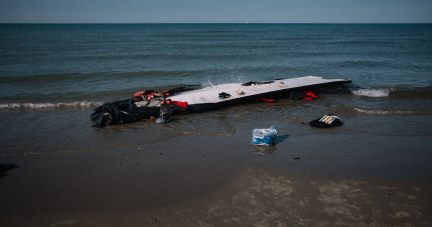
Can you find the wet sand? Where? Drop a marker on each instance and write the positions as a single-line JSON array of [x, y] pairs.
[[326, 179]]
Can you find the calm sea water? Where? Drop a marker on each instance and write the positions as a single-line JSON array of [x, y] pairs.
[[53, 75]]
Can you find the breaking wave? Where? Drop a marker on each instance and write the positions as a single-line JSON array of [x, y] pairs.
[[395, 93], [226, 82], [47, 105], [373, 92]]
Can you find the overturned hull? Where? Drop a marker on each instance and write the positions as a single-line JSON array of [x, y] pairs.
[[200, 99], [204, 99]]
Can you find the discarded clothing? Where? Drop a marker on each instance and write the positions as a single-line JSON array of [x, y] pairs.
[[265, 137], [224, 95], [328, 121]]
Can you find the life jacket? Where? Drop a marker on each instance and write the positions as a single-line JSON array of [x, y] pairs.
[[264, 100], [267, 99], [143, 95], [177, 103], [309, 95]]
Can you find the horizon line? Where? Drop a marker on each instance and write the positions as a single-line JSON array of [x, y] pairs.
[[216, 23]]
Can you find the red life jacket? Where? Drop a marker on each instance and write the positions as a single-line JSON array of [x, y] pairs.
[[264, 100], [309, 93], [267, 100]]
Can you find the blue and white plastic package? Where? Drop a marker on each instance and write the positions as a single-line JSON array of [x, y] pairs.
[[264, 137]]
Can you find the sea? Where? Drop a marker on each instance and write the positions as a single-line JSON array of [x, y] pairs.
[[52, 76]]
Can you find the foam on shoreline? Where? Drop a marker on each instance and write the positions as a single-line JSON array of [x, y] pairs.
[[48, 105], [373, 92]]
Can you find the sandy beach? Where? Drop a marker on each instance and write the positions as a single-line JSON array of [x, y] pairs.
[[353, 179]]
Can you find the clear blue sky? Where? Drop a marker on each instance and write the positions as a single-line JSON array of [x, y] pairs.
[[215, 11]]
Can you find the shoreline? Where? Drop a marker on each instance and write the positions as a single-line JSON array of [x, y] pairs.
[[207, 180]]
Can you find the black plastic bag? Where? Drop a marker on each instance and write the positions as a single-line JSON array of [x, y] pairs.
[[328, 121]]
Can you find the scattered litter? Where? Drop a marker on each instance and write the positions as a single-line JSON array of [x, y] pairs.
[[224, 95], [281, 82], [265, 137], [239, 92], [328, 121]]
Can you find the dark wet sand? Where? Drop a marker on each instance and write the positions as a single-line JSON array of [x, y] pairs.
[[201, 180]]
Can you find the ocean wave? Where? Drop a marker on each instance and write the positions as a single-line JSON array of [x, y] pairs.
[[395, 92], [40, 78], [47, 105], [373, 92], [96, 76], [351, 64], [412, 93]]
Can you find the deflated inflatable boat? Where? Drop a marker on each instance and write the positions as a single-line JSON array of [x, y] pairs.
[[159, 106]]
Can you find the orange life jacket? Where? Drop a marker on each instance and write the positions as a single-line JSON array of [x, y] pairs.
[[148, 94]]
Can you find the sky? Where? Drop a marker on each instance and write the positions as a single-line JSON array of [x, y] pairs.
[[215, 11]]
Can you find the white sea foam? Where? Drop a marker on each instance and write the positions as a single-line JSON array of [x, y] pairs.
[[376, 93], [48, 105], [207, 84], [382, 112], [211, 85], [231, 81]]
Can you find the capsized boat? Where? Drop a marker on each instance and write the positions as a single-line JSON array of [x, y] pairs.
[[195, 98]]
